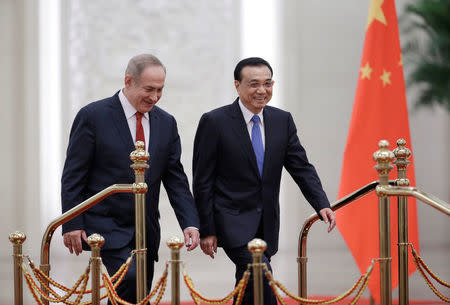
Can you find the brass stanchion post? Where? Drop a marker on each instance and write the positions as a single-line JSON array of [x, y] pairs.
[[175, 244], [17, 239], [302, 278], [384, 157], [402, 154], [95, 241], [257, 248], [140, 157]]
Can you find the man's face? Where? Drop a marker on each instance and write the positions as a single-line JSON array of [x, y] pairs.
[[255, 87], [145, 92]]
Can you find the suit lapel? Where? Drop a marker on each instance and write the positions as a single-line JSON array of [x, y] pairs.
[[270, 136], [120, 121], [242, 136], [154, 131]]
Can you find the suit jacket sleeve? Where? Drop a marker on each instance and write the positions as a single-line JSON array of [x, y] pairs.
[[204, 165], [303, 172], [76, 168], [176, 184]]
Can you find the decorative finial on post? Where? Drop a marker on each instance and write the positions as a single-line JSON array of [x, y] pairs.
[[402, 154], [139, 157], [96, 240], [383, 157], [17, 238], [257, 245], [175, 244]]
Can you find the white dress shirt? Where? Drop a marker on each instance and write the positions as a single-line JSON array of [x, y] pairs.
[[248, 115], [130, 114]]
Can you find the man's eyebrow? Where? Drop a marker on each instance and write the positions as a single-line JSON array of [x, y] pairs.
[[256, 81], [151, 87]]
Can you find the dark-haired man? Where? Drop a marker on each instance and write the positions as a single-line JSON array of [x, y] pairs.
[[239, 152], [102, 136]]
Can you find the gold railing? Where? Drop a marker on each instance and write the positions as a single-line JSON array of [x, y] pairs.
[[139, 188], [302, 259], [384, 189], [72, 213], [430, 200]]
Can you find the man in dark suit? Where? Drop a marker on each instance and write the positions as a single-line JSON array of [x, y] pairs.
[[239, 152], [102, 136]]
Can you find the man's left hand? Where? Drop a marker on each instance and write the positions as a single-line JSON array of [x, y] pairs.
[[191, 238], [328, 217]]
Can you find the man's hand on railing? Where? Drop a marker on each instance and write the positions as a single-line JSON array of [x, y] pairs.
[[328, 217], [72, 240]]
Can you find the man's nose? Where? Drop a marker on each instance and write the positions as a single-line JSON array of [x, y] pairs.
[[261, 89], [153, 96]]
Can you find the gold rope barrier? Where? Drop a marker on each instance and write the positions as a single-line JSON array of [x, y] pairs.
[[45, 291], [175, 243], [83, 280], [116, 278], [420, 264], [362, 281], [238, 290], [111, 283], [416, 256], [115, 299], [44, 279]]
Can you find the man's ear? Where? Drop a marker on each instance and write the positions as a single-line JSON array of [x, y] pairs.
[[237, 84], [128, 80]]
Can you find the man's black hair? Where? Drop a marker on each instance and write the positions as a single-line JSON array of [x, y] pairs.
[[251, 61]]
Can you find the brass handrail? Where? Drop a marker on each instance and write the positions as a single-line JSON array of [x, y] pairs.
[[413, 191], [303, 236], [72, 213], [139, 157], [390, 190]]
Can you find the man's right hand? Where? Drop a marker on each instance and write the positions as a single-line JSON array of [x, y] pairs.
[[72, 240], [209, 245]]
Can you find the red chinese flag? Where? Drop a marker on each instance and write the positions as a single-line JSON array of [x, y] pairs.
[[379, 112]]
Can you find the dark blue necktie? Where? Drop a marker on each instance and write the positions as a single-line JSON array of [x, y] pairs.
[[257, 143]]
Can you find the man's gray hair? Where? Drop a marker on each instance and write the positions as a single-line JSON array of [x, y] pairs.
[[138, 63]]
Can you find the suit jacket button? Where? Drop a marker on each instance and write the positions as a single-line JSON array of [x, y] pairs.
[[259, 210]]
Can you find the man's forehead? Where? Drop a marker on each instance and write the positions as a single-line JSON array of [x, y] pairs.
[[256, 73]]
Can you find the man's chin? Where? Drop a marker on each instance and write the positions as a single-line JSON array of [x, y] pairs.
[[260, 105], [147, 108]]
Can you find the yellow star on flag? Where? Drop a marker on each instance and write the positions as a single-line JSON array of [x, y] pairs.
[[385, 77], [400, 62], [366, 71], [376, 13]]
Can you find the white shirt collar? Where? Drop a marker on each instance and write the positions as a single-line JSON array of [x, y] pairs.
[[248, 114], [129, 110]]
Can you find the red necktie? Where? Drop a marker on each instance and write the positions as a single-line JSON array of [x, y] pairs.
[[139, 129]]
